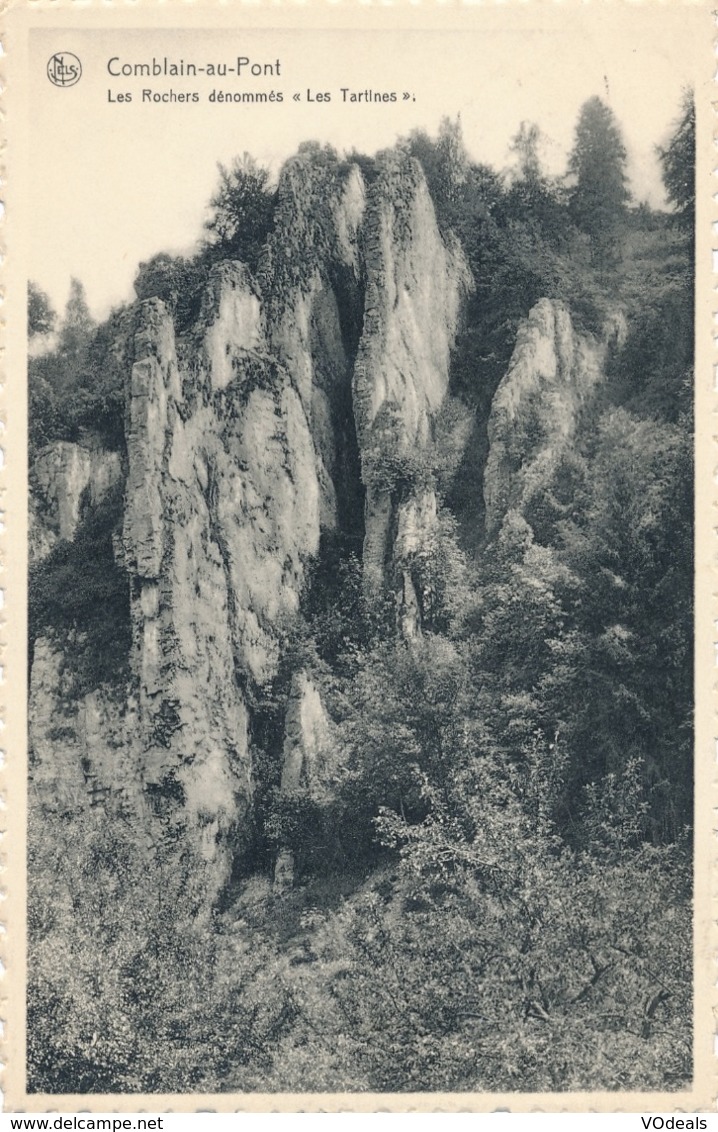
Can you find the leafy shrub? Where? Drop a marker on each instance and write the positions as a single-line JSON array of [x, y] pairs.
[[652, 372], [179, 281], [497, 965], [129, 988], [242, 211]]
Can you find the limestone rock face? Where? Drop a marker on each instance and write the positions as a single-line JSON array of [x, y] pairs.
[[312, 282], [232, 314], [300, 402], [307, 734], [222, 514], [415, 286], [534, 413], [416, 522], [63, 476]]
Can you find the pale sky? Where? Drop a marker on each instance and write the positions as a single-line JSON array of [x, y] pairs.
[[114, 183]]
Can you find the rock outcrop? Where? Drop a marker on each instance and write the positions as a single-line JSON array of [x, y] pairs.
[[415, 285], [312, 279], [301, 401], [535, 411], [307, 735], [221, 516]]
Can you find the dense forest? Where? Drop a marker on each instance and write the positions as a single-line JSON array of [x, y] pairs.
[[489, 883]]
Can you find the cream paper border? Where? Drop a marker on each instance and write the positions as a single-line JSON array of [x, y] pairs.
[[17, 19]]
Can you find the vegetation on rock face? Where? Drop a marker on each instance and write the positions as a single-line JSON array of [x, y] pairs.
[[241, 217], [178, 280], [492, 886], [80, 595]]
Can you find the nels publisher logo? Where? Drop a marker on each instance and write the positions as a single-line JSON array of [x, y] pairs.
[[64, 69]]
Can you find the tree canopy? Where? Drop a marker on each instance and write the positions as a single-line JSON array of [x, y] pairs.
[[41, 318], [242, 210], [76, 327], [525, 144]]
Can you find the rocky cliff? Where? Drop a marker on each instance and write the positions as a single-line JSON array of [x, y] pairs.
[[302, 404], [249, 434]]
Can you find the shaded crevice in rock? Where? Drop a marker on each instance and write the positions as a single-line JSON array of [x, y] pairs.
[[79, 624], [311, 280], [479, 362], [415, 526], [465, 495], [347, 477]]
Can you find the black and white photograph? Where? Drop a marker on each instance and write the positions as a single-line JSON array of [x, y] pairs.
[[359, 640]]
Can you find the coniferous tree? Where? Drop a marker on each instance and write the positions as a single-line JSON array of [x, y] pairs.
[[525, 144], [678, 162], [534, 199], [77, 326], [600, 194]]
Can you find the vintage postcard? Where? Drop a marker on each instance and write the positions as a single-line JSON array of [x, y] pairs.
[[358, 559]]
